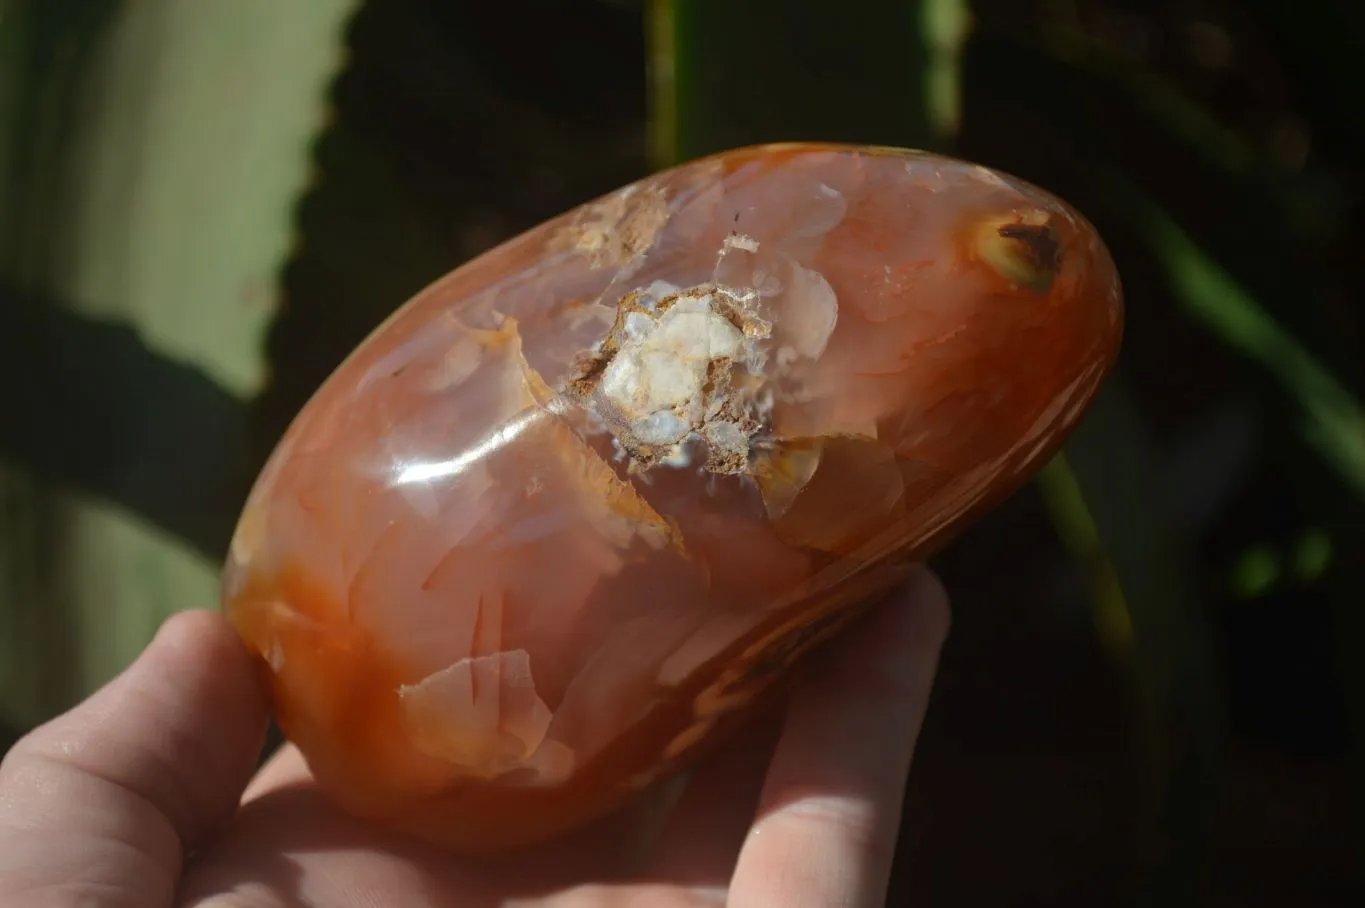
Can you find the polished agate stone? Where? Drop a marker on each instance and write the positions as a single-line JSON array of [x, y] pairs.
[[561, 521]]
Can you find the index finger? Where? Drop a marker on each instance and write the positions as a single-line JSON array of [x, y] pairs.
[[830, 811]]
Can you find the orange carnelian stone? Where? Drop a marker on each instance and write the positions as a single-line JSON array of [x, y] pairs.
[[554, 527]]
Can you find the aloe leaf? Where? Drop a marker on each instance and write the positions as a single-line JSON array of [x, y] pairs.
[[1103, 495], [1267, 227], [733, 74], [1331, 419], [1243, 248], [454, 128], [152, 155]]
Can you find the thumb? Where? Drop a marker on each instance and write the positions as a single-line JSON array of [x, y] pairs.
[[100, 806]]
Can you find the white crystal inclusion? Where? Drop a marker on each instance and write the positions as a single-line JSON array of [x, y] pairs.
[[661, 368]]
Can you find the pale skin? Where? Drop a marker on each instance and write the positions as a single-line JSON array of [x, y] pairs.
[[147, 795]]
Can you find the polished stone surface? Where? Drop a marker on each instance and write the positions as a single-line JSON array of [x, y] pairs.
[[551, 529]]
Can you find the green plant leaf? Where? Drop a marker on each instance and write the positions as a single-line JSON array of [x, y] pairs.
[[1328, 418], [1240, 244], [1101, 494], [1266, 226], [453, 129], [732, 74], [1331, 419], [152, 155]]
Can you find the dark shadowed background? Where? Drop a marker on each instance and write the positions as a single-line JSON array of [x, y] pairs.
[[1154, 691]]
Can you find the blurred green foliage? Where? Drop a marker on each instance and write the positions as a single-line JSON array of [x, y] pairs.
[[1154, 683], [151, 155]]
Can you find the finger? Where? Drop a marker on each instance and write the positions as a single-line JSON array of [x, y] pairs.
[[99, 806], [831, 803], [702, 837]]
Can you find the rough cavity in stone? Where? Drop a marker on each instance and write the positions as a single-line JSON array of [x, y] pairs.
[[678, 370]]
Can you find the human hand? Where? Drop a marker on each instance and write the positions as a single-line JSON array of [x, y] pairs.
[[143, 797]]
